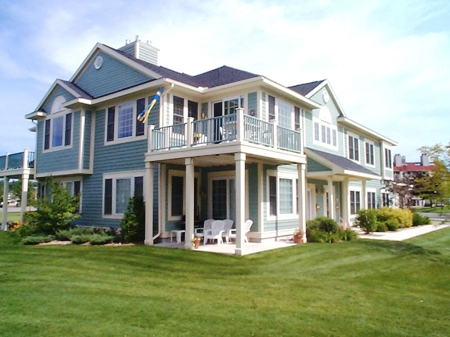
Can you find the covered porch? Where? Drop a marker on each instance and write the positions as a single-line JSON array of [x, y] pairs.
[[238, 153]]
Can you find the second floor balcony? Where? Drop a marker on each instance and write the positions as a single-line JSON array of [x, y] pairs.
[[215, 134], [14, 164]]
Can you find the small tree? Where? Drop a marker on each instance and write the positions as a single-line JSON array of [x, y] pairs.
[[133, 222], [55, 213]]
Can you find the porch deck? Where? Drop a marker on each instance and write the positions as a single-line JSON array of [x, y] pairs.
[[229, 248]]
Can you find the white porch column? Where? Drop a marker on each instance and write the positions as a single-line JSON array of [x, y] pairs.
[[5, 203], [345, 203], [301, 168], [189, 235], [148, 193], [25, 177], [364, 195], [331, 210], [240, 201]]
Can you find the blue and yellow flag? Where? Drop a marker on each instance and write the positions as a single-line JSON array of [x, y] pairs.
[[143, 116]]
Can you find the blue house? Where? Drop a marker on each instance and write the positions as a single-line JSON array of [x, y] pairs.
[[222, 144]]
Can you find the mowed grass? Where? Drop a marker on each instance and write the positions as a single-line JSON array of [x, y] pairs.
[[12, 216], [363, 288]]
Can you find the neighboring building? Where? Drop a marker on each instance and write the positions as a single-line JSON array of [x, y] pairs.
[[404, 175], [223, 144]]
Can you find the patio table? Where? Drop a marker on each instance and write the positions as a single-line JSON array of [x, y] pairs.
[[178, 233]]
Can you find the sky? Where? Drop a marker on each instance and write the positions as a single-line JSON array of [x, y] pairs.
[[388, 62]]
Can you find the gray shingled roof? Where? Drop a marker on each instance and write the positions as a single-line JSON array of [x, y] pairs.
[[77, 89], [210, 79], [305, 88], [345, 163]]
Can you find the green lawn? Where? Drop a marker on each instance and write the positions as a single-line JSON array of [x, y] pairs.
[[363, 288], [12, 216]]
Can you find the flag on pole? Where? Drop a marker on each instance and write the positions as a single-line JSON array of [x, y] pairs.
[[144, 114]]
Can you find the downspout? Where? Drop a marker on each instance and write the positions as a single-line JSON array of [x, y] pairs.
[[161, 114]]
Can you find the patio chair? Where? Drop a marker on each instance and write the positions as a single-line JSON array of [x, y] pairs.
[[206, 225], [226, 229], [215, 233], [246, 228]]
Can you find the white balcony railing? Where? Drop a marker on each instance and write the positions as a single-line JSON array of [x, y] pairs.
[[216, 130]]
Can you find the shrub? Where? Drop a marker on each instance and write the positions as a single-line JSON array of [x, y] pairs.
[[367, 220], [392, 225], [133, 223], [37, 239], [56, 213], [403, 217], [381, 227], [419, 220], [79, 239], [26, 230], [322, 230], [347, 234], [101, 239], [64, 235]]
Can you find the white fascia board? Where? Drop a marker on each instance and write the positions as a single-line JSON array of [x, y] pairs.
[[365, 176], [60, 83], [326, 83], [346, 121], [36, 115], [308, 102], [111, 52]]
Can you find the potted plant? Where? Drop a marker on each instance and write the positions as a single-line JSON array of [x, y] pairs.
[[196, 241], [298, 236]]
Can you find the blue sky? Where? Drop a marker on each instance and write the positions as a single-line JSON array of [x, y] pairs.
[[387, 61]]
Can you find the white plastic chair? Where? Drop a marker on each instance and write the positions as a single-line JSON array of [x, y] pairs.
[[226, 229], [206, 225], [246, 228], [215, 233]]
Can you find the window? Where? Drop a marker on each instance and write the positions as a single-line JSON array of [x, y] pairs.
[[178, 106], [371, 200], [177, 190], [297, 118], [355, 202], [271, 107], [273, 195], [286, 196], [118, 189], [121, 121], [325, 133], [353, 148], [369, 154], [385, 199], [58, 131], [316, 132], [388, 158], [284, 114], [282, 195]]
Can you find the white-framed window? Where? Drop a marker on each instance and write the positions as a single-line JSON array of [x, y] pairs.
[[371, 200], [281, 195], [355, 201], [370, 155], [385, 199], [353, 147], [388, 158], [121, 122], [325, 134], [118, 188], [58, 126]]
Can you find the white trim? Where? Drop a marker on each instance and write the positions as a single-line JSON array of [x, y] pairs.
[[180, 173], [354, 136], [51, 117], [346, 121], [114, 176], [368, 141], [327, 125], [281, 175]]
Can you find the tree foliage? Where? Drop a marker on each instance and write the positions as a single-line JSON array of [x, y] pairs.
[[435, 187]]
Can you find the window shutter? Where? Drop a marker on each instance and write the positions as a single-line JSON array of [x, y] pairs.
[[68, 129], [110, 124]]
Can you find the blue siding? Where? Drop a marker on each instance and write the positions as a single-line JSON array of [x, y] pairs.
[[113, 76], [128, 156], [62, 159], [58, 91]]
